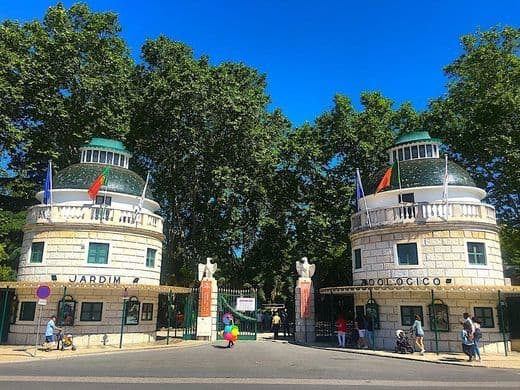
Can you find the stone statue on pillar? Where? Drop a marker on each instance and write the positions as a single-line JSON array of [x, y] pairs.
[[304, 269], [304, 303], [207, 270]]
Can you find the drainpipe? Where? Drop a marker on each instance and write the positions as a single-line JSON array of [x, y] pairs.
[[501, 311], [434, 322]]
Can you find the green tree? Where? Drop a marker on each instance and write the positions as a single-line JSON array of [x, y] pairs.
[[207, 138], [478, 118], [62, 80]]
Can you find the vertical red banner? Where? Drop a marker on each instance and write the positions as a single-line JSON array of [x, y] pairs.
[[205, 299], [305, 301]]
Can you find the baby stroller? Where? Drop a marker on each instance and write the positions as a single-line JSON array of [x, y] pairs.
[[64, 341], [402, 343]]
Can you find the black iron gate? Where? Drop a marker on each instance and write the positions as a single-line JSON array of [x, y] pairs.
[[191, 310], [327, 308], [246, 320], [7, 307]]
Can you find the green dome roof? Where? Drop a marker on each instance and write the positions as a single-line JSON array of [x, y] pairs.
[[422, 173], [107, 144], [81, 177], [418, 136]]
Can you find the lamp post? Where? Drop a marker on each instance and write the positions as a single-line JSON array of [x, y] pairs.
[[123, 316]]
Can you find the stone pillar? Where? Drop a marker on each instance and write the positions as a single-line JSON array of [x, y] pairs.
[[208, 302], [304, 303]]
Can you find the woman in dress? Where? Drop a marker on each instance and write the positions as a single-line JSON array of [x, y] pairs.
[[419, 333]]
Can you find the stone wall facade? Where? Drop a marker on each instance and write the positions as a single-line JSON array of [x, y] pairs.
[[66, 251], [87, 333], [458, 302], [442, 253]]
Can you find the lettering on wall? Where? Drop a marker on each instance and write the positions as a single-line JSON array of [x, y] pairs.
[[405, 281], [95, 279]]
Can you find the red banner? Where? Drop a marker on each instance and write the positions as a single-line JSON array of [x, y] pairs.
[[305, 299], [205, 299]]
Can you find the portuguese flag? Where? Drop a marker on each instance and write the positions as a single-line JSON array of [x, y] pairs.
[[386, 181], [100, 180]]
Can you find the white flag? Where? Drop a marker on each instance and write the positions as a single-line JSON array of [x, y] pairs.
[[143, 196], [445, 183]]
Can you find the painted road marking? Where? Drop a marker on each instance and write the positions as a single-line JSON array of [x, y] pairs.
[[258, 381]]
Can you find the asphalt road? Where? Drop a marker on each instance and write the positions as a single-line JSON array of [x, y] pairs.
[[248, 365]]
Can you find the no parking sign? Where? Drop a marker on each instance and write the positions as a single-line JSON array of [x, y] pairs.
[[43, 293]]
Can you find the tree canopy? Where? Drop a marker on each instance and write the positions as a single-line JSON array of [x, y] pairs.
[[235, 180]]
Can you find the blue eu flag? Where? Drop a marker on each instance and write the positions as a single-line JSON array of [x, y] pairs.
[[47, 189]]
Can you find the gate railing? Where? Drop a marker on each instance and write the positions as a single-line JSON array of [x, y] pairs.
[[191, 309], [245, 320]]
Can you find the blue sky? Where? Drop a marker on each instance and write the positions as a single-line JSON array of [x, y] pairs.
[[311, 50]]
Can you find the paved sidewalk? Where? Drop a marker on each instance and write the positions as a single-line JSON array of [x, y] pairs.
[[512, 361], [20, 353]]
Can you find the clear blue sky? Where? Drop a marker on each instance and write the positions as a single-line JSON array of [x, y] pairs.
[[311, 50]]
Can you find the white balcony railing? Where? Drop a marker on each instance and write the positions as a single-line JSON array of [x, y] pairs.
[[420, 213], [94, 215]]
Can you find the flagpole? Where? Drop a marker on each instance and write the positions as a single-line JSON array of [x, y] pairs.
[[364, 199], [103, 204], [445, 189], [50, 190], [399, 179], [142, 198]]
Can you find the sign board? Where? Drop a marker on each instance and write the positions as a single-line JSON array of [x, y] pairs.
[[246, 304], [204, 326], [205, 299], [42, 302], [305, 299], [43, 291]]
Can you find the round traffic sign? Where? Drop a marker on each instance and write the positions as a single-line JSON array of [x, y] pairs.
[[43, 291]]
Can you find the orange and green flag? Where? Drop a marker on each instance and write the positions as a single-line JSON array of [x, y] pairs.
[[100, 181]]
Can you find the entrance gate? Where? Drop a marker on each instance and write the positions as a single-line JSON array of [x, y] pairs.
[[191, 310], [327, 308], [7, 307], [245, 320]]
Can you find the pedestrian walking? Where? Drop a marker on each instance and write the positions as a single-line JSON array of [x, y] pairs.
[[275, 322], [49, 332], [361, 328], [477, 335], [285, 323], [468, 345], [419, 333], [341, 325]]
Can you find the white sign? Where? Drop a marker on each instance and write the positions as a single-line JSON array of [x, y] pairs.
[[204, 326], [246, 304], [42, 302]]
